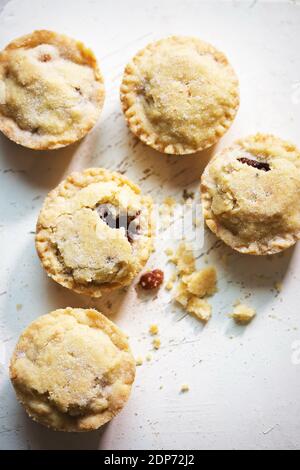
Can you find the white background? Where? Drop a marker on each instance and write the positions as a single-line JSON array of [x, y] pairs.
[[244, 387]]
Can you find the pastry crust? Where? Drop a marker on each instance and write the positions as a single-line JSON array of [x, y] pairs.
[[179, 95], [251, 195], [72, 370], [51, 90], [84, 251]]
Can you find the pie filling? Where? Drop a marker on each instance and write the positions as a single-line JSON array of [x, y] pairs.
[[117, 219], [255, 164]]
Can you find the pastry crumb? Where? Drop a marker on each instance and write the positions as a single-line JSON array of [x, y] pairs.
[[169, 252], [156, 343], [278, 286], [243, 314], [169, 201], [185, 388], [169, 285], [200, 308], [197, 223], [224, 258], [182, 295], [148, 357], [184, 259], [202, 283], [19, 307], [194, 285], [153, 330], [139, 361], [152, 279]]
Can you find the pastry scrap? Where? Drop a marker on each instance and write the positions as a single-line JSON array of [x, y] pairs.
[[200, 308], [194, 286], [251, 195], [202, 283], [243, 315], [51, 90], [72, 370], [94, 232], [179, 95], [153, 330], [170, 284]]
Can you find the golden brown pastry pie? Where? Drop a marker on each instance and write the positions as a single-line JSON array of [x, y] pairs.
[[51, 90], [72, 370], [94, 232], [251, 195], [179, 95]]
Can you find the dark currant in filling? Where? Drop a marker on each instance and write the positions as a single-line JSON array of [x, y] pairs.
[[152, 279], [114, 218], [255, 164]]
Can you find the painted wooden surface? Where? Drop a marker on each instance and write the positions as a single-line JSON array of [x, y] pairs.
[[244, 382]]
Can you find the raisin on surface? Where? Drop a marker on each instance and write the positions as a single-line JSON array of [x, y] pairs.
[[152, 279]]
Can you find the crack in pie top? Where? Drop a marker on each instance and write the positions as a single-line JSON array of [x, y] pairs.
[[94, 232], [179, 95], [251, 195], [51, 90]]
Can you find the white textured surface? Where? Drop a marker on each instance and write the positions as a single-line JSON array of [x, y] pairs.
[[244, 387]]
